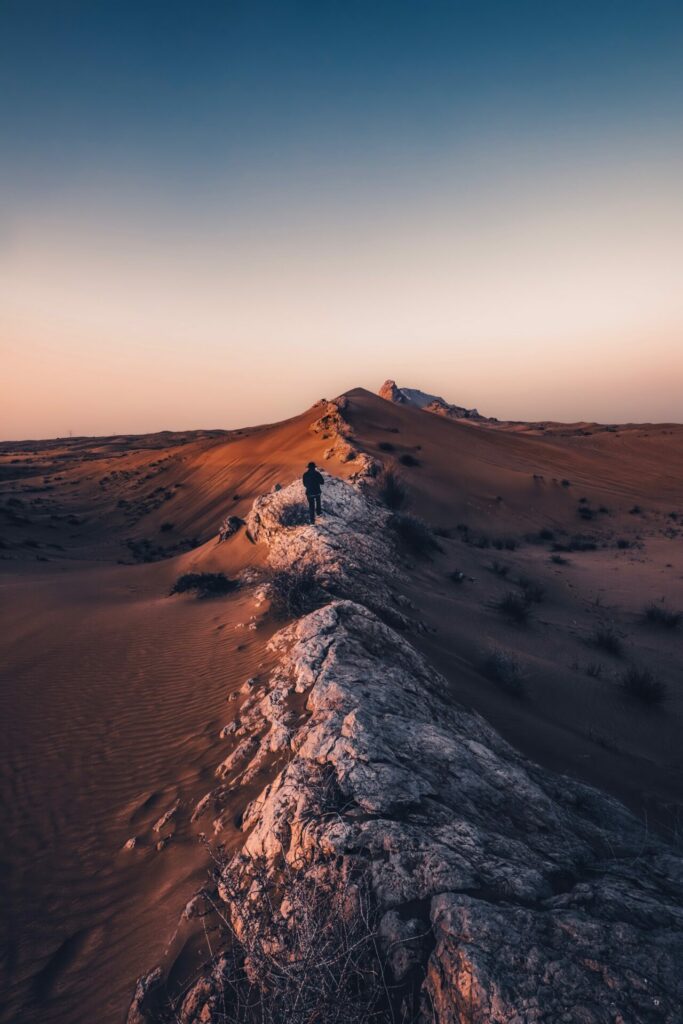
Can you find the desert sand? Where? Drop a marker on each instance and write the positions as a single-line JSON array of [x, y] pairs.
[[114, 694]]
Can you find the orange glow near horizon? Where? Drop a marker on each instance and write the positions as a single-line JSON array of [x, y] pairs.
[[556, 305]]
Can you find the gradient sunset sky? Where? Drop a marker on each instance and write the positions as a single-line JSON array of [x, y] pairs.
[[214, 213]]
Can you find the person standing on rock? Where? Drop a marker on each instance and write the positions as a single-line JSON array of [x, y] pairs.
[[313, 481]]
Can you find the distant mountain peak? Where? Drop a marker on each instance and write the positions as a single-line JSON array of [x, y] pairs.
[[430, 403]]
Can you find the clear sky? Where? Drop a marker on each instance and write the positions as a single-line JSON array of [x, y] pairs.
[[215, 213]]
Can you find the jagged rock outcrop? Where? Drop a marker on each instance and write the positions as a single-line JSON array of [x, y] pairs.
[[430, 403], [229, 527], [505, 894], [545, 899], [333, 426]]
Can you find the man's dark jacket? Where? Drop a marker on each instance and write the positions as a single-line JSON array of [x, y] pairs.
[[313, 481]]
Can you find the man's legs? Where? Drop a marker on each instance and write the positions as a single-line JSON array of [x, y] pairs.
[[318, 506], [311, 506]]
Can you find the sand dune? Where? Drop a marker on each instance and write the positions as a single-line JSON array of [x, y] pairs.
[[113, 694]]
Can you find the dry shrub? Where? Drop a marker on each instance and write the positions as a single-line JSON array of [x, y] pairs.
[[533, 592], [559, 560], [643, 685], [205, 584], [391, 490], [515, 607], [294, 514], [414, 535], [606, 638], [295, 591], [302, 943], [659, 615], [505, 670], [300, 951]]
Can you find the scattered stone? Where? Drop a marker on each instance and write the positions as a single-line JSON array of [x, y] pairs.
[[242, 753], [144, 1001], [201, 806], [196, 907], [229, 527], [165, 818]]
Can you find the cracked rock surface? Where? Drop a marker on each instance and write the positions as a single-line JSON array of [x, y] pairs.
[[513, 895], [543, 896]]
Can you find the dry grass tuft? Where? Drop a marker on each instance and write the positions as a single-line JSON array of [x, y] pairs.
[[414, 534], [659, 615], [643, 685], [606, 638], [391, 490], [294, 592], [504, 669], [515, 607], [204, 584]]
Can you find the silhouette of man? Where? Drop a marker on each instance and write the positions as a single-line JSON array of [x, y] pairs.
[[313, 481]]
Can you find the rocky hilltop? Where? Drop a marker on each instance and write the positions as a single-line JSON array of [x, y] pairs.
[[430, 403], [401, 862]]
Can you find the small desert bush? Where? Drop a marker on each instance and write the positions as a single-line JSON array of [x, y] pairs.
[[504, 543], [408, 460], [579, 542], [559, 560], [294, 592], [165, 527], [643, 685], [515, 607], [386, 446], [533, 592], [414, 534], [546, 534], [606, 638], [205, 584], [391, 490], [294, 514], [321, 961], [504, 669], [659, 615], [498, 569], [593, 669]]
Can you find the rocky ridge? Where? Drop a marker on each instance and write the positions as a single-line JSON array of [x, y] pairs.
[[349, 551], [504, 894], [332, 425], [430, 403]]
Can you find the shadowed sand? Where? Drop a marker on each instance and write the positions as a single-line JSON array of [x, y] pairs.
[[113, 695]]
